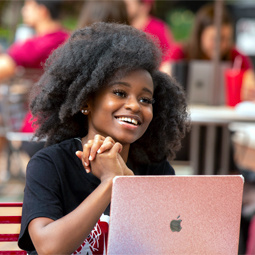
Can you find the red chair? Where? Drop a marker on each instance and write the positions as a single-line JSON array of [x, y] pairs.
[[10, 219]]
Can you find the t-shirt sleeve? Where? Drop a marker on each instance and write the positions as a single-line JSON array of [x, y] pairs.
[[28, 54], [177, 53], [246, 61], [33, 52], [166, 42], [41, 195]]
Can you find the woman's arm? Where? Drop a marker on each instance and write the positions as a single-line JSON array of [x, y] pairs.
[[7, 66], [248, 86], [65, 235]]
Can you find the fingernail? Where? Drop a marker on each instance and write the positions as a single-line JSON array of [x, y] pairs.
[[86, 164], [99, 151], [90, 158]]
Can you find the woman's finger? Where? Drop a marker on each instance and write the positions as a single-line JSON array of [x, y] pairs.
[[79, 154], [97, 142], [107, 144], [85, 155], [116, 148]]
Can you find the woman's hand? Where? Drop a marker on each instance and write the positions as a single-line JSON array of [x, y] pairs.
[[109, 164], [98, 145]]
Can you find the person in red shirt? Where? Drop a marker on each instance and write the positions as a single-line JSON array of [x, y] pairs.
[[202, 46], [42, 16], [139, 12]]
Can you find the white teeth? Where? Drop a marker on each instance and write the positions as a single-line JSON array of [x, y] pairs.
[[135, 122]]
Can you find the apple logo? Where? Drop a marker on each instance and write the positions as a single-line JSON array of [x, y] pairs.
[[175, 225]]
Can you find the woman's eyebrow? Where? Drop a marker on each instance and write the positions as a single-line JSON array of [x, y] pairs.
[[128, 85], [120, 82], [148, 90]]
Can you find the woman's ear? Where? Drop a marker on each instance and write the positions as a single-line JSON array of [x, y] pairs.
[[85, 110]]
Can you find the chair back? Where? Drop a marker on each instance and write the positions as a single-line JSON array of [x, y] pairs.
[[14, 94], [10, 220]]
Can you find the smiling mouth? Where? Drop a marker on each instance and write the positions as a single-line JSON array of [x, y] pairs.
[[129, 120]]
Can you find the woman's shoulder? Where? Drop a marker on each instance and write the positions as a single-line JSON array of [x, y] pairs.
[[246, 61], [59, 151], [54, 160]]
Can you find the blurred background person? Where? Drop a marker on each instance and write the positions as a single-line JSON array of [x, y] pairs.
[[103, 11], [140, 14], [42, 16], [202, 44]]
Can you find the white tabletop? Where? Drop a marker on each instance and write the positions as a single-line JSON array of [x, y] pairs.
[[218, 114]]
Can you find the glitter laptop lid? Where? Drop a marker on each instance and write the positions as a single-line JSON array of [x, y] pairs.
[[175, 215]]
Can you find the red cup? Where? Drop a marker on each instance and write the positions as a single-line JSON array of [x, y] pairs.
[[233, 81]]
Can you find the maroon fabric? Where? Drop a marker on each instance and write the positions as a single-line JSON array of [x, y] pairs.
[[160, 30], [177, 53], [251, 239], [33, 52]]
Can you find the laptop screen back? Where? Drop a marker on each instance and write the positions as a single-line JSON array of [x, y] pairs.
[[201, 86], [175, 215]]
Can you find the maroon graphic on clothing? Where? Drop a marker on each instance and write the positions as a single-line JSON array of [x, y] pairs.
[[96, 242]]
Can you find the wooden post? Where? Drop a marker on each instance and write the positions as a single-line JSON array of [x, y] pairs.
[[218, 5]]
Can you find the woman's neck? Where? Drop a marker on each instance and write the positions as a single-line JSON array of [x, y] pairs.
[[47, 27], [141, 22], [124, 152]]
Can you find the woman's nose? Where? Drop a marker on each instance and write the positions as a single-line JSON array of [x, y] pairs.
[[132, 104]]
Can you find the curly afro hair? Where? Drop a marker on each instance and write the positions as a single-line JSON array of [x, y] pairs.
[[89, 60]]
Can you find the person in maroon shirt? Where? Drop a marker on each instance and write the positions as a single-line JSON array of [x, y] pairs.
[[201, 46], [42, 16], [139, 13]]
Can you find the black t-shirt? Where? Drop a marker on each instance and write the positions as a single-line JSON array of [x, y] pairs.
[[56, 183]]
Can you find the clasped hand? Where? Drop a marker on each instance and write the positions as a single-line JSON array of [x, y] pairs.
[[101, 156]]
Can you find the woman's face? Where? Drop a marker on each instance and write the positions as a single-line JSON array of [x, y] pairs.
[[208, 40], [31, 12], [123, 109], [133, 9]]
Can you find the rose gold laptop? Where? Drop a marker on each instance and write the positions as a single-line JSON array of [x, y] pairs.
[[175, 215]]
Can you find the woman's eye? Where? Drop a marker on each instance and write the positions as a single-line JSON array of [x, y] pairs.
[[147, 100], [120, 93]]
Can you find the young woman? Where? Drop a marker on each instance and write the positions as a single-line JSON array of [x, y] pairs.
[[105, 110], [202, 45]]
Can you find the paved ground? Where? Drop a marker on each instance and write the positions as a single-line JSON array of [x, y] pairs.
[[12, 183]]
